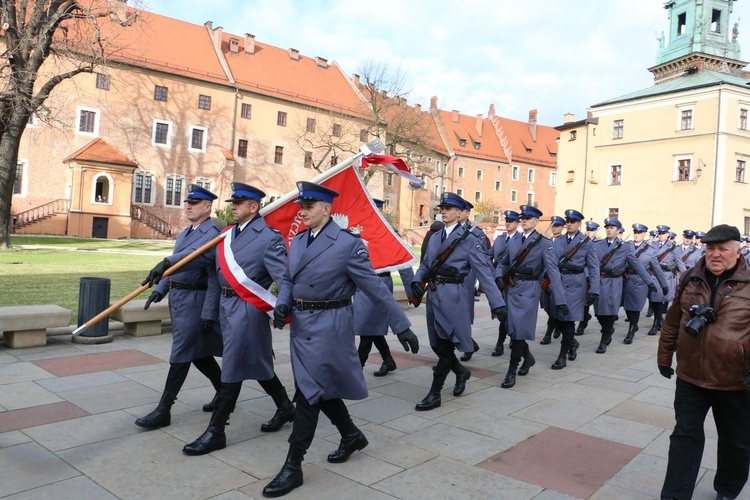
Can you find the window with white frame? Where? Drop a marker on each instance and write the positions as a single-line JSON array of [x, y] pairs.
[[242, 148], [618, 129], [743, 119], [514, 196], [685, 117], [460, 192], [103, 190], [21, 182], [515, 173], [530, 175], [614, 212], [553, 178], [682, 169], [477, 197], [389, 179], [615, 175], [205, 182], [197, 138], [498, 185], [87, 121], [530, 198], [480, 175], [162, 134], [436, 192], [739, 172], [461, 172], [173, 186], [143, 184]]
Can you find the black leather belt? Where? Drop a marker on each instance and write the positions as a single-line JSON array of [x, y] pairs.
[[182, 285], [383, 275], [321, 305], [607, 274], [448, 279], [525, 277], [228, 292], [570, 271]]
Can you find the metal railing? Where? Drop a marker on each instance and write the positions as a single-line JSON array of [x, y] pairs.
[[41, 212], [156, 223]]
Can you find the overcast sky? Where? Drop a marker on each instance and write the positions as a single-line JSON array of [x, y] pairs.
[[556, 56]]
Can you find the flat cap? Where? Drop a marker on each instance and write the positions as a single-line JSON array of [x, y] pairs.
[[722, 233]]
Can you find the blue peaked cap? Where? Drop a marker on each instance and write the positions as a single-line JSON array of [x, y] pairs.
[[530, 211], [557, 220], [449, 199], [611, 221], [310, 192], [197, 193], [641, 228], [573, 215], [511, 215], [241, 191]]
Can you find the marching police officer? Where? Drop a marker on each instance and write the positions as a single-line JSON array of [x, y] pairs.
[[326, 265], [521, 268], [447, 299], [671, 268], [687, 252], [698, 242], [251, 258], [193, 307], [370, 325], [635, 290], [591, 229], [499, 247], [575, 257], [557, 224], [613, 256]]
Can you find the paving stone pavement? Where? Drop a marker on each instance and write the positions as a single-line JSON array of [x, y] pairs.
[[596, 429]]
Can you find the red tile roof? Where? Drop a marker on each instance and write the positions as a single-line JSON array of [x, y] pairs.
[[543, 151], [465, 129], [100, 151]]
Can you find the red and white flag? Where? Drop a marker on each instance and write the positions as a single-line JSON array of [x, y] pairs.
[[396, 164], [354, 210]]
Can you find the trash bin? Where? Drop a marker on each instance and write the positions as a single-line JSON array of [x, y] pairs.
[[93, 298]]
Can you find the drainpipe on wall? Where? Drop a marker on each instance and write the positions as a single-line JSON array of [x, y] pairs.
[[716, 161], [585, 169]]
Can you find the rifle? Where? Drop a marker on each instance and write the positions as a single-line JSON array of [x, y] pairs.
[[643, 248], [508, 277], [685, 257], [564, 260], [432, 271], [608, 257], [665, 253]]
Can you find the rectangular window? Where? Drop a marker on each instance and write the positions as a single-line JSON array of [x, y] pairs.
[[160, 93], [161, 135], [480, 174], [477, 197], [743, 119], [460, 192], [102, 81], [18, 182], [686, 119], [529, 198], [142, 187], [198, 136], [618, 130], [747, 225], [334, 160], [336, 132], [204, 102], [615, 175], [514, 196], [363, 135], [553, 179], [173, 191], [389, 179], [242, 148], [530, 175], [311, 125], [498, 185], [281, 119], [681, 23], [614, 213], [739, 173], [246, 111], [436, 192], [88, 121], [278, 156], [204, 182], [460, 172], [515, 173], [308, 160], [573, 135], [715, 21], [683, 170]]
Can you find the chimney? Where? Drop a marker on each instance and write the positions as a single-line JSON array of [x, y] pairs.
[[355, 79], [454, 115], [433, 103], [479, 124], [249, 43], [418, 109], [491, 113], [532, 124], [323, 63], [569, 118], [234, 45], [294, 54], [215, 34], [589, 115]]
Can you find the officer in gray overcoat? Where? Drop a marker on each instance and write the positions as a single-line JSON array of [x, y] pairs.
[[447, 298], [256, 250], [524, 284], [635, 290], [687, 252], [613, 256], [671, 268], [591, 230], [576, 259], [499, 247], [370, 324], [193, 306], [557, 224], [327, 264]]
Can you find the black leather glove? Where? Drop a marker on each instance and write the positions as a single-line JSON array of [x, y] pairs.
[[500, 283], [665, 290], [417, 290], [562, 309], [155, 297], [666, 371], [207, 326], [156, 273], [591, 298], [652, 288], [500, 313], [280, 314], [409, 341]]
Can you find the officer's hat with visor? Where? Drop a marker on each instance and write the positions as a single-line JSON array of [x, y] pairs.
[[241, 191], [661, 228], [611, 221], [556, 220], [449, 199], [528, 211], [511, 215], [688, 233], [641, 228], [198, 193], [700, 235], [310, 192], [591, 226], [573, 215]]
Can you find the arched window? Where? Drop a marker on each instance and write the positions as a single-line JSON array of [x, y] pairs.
[[103, 189]]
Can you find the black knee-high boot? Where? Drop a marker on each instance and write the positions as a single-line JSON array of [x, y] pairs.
[[633, 317], [528, 360], [502, 332], [284, 407], [161, 416], [290, 475], [214, 438], [211, 369], [352, 439], [517, 349], [388, 365], [433, 400]]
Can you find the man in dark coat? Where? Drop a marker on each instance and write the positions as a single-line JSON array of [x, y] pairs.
[[499, 247], [193, 307]]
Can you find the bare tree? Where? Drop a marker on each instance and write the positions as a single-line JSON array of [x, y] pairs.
[[44, 43], [325, 138]]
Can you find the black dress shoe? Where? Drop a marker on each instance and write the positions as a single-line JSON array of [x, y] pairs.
[[209, 407], [723, 497], [580, 330], [573, 351], [498, 351], [211, 440], [628, 338], [528, 362], [547, 339], [347, 446], [282, 416], [509, 380], [388, 366], [467, 355], [430, 402], [158, 418], [461, 379], [559, 363], [602, 348]]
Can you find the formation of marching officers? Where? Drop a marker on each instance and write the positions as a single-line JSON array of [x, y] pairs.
[[219, 305]]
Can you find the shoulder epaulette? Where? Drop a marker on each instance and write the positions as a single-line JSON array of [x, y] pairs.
[[356, 235]]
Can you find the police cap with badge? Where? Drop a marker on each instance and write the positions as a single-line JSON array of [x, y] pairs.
[[661, 229], [556, 220], [241, 191], [688, 234], [573, 215], [198, 193], [641, 228], [611, 221], [467, 205], [699, 235], [511, 216], [449, 200], [529, 211], [591, 226], [310, 192]]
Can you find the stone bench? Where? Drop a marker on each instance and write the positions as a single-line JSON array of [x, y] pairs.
[[139, 322], [26, 326]]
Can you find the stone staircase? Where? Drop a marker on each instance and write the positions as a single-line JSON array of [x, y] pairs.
[[42, 212], [150, 220]]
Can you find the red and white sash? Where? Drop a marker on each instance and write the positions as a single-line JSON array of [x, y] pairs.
[[247, 289]]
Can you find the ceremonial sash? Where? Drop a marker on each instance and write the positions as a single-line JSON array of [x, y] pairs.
[[244, 287]]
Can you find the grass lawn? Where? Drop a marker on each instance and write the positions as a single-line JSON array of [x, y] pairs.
[[51, 275]]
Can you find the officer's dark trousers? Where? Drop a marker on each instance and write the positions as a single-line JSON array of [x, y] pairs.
[[306, 418], [568, 330], [731, 411], [365, 346], [607, 323], [447, 360]]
